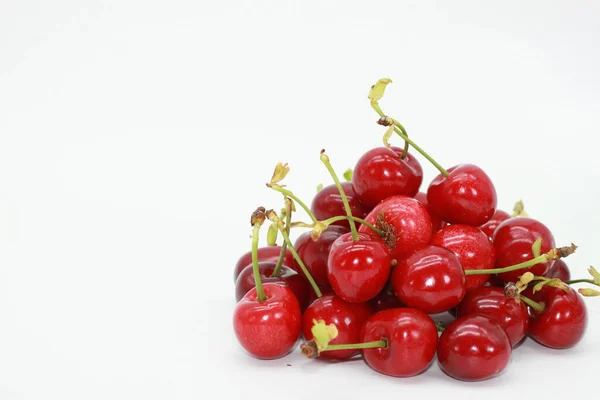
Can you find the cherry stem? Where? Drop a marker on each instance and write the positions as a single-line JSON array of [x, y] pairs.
[[406, 144], [591, 282], [440, 327], [255, 270], [288, 220], [331, 220], [325, 160], [291, 195], [533, 304], [383, 343]]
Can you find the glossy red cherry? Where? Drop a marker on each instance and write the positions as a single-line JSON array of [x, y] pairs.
[[269, 253], [489, 227], [466, 196], [328, 203], [513, 239], [491, 302], [473, 348], [348, 319], [431, 280], [472, 247], [410, 220], [436, 223], [563, 321], [559, 270], [314, 254], [268, 329], [358, 270], [381, 173], [385, 300], [411, 341]]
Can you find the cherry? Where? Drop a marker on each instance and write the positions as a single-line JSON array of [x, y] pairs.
[[381, 172], [563, 320], [328, 203], [385, 300], [409, 220], [436, 223], [269, 253], [559, 270], [491, 302], [465, 196], [431, 280], [489, 227], [348, 319], [513, 239], [411, 339], [472, 247], [316, 253], [473, 348], [270, 328]]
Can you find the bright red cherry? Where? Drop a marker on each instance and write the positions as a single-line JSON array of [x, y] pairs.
[[381, 173], [314, 254], [466, 196], [348, 319], [559, 270], [436, 223], [358, 270], [473, 348], [411, 337], [491, 302], [472, 247], [268, 329], [269, 253], [513, 239], [489, 227], [431, 280], [563, 321], [385, 300], [328, 203], [410, 221]]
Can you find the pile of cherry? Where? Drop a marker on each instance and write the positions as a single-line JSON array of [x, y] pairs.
[[380, 257]]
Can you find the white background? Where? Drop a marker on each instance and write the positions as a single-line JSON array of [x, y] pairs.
[[136, 138]]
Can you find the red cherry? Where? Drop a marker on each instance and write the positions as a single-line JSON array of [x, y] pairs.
[[436, 223], [269, 253], [315, 254], [473, 348], [381, 173], [513, 239], [268, 329], [431, 280], [466, 196], [491, 302], [328, 203], [559, 270], [348, 319], [410, 220], [358, 270], [563, 321], [385, 300], [472, 247], [411, 341], [489, 227]]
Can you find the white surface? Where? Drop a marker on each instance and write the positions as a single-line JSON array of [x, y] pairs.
[[136, 138]]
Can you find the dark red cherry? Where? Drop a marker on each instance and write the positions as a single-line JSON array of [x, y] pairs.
[[436, 223], [559, 270], [466, 196], [491, 302], [513, 239], [431, 280], [271, 328], [381, 173], [410, 221], [358, 270], [328, 203], [472, 247], [473, 348], [269, 253], [314, 255], [411, 341], [489, 227], [385, 300], [348, 319]]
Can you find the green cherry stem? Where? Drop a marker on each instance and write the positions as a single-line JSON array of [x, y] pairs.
[[361, 221], [257, 219], [292, 196], [288, 220], [533, 304], [383, 343]]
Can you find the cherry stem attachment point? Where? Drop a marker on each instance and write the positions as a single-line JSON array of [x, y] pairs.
[[257, 219], [533, 304]]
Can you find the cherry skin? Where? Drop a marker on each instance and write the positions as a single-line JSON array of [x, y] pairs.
[[385, 300], [348, 319], [268, 329], [472, 247], [358, 270], [489, 227], [466, 196], [473, 348], [381, 173], [287, 277], [563, 321], [315, 254], [559, 270], [513, 239], [269, 253], [411, 341], [410, 220], [436, 223], [328, 203], [491, 302], [431, 280]]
